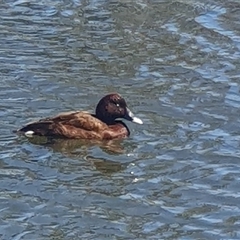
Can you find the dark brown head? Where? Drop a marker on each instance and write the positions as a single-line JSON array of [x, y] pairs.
[[113, 106]]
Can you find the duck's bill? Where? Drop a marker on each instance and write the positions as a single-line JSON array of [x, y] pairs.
[[130, 116]]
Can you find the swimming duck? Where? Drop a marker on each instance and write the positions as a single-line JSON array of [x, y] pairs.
[[103, 125]]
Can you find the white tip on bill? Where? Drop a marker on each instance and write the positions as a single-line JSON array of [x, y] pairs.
[[137, 120]]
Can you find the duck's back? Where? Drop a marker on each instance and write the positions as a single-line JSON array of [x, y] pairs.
[[78, 124]]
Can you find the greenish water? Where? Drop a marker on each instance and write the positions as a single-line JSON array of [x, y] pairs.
[[177, 65]]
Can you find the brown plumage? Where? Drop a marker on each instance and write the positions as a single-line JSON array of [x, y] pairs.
[[84, 125]]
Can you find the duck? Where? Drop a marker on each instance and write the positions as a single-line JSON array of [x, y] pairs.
[[105, 124]]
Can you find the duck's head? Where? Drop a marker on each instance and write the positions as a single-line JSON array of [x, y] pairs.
[[112, 107]]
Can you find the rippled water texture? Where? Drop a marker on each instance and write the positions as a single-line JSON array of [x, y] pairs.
[[177, 64]]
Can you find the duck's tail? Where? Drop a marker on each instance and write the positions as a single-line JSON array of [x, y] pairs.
[[37, 128]]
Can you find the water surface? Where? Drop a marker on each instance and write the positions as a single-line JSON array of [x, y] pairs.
[[176, 63]]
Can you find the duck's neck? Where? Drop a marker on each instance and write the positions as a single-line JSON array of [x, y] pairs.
[[109, 120]]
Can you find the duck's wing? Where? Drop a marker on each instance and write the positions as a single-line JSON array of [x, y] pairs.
[[80, 119], [76, 124]]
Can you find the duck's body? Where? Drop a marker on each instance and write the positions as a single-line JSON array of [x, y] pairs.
[[78, 125], [84, 125]]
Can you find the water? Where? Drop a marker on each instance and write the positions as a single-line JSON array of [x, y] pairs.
[[177, 65]]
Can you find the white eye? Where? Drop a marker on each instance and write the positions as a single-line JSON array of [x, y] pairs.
[[117, 105]]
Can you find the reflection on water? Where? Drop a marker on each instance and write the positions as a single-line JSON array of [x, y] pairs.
[[176, 63], [73, 146]]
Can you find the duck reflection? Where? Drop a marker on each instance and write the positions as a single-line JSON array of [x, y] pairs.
[[70, 146], [105, 166], [81, 147]]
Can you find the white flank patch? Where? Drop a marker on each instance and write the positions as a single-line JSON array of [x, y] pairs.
[[29, 133]]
